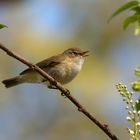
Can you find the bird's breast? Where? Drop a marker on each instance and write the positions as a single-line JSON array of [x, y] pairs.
[[65, 71], [70, 70]]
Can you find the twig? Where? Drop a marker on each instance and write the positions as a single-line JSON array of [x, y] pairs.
[[64, 91]]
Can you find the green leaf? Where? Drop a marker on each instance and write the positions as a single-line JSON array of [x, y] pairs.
[[136, 9], [136, 86], [124, 8], [137, 71], [2, 26], [137, 29], [138, 105], [130, 20]]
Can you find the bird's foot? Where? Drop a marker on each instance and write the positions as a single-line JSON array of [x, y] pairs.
[[52, 87]]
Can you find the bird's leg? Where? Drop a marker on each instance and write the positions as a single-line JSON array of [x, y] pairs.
[[66, 94], [52, 87]]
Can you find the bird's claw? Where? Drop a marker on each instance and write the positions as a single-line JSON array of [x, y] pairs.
[[52, 87], [67, 92], [62, 94]]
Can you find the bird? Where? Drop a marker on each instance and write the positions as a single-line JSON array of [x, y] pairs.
[[63, 67]]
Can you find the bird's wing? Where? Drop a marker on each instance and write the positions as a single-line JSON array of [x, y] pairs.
[[49, 62]]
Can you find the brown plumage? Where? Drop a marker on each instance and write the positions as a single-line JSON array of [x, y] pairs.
[[11, 82], [62, 67]]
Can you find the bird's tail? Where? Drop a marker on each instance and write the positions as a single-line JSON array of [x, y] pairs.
[[12, 82]]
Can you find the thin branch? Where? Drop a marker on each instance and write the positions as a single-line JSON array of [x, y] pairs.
[[64, 91]]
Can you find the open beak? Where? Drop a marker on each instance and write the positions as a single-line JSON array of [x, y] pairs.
[[84, 54]]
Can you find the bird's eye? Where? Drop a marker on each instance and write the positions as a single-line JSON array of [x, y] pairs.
[[74, 53]]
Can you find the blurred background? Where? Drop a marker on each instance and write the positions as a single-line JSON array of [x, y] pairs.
[[38, 29]]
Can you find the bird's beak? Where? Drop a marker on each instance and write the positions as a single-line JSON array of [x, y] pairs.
[[84, 54]]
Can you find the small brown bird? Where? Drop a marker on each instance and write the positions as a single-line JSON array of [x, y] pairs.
[[62, 67]]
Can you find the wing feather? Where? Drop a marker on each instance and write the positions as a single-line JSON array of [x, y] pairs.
[[49, 62]]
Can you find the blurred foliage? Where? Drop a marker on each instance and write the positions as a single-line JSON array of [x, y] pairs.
[[137, 71], [136, 84], [133, 116], [133, 6], [2, 26], [10, 1], [138, 105], [133, 107]]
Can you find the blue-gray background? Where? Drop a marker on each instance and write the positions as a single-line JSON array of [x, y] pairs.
[[38, 29]]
